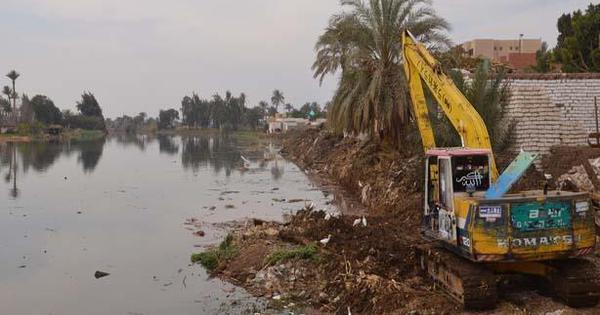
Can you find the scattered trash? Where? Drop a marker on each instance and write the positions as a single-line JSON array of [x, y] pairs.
[[200, 233], [229, 207], [100, 274], [191, 221]]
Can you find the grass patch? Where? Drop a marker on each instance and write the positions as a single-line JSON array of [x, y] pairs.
[[212, 258], [303, 252], [86, 135]]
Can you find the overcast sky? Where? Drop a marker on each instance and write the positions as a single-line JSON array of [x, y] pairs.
[[144, 55]]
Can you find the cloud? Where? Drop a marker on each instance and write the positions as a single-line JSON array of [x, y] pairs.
[[144, 55]]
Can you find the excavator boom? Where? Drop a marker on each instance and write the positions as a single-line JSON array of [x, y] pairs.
[[480, 229], [420, 66]]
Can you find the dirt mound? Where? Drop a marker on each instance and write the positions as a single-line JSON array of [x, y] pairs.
[[370, 270], [365, 269], [385, 180]]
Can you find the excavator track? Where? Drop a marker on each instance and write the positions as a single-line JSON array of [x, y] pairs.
[[472, 285], [576, 282]]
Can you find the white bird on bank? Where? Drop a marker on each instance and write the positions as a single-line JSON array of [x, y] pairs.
[[360, 221], [325, 241], [327, 216], [309, 207]]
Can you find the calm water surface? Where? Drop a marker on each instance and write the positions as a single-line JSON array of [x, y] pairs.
[[119, 205]]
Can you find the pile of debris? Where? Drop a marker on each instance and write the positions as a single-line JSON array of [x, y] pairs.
[[575, 168], [366, 269], [385, 180], [327, 264]]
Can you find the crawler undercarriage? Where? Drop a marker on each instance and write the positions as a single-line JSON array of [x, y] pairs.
[[575, 282]]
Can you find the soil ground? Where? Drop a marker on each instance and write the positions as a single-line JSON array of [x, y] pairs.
[[367, 269]]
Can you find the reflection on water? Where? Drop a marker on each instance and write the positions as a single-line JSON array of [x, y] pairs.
[[221, 153], [118, 205], [167, 145], [38, 157]]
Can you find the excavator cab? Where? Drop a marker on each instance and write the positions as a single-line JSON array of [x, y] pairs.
[[452, 172], [478, 229]]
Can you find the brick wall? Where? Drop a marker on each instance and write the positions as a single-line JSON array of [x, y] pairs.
[[555, 109]]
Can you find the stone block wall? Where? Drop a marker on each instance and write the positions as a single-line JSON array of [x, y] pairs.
[[552, 109]]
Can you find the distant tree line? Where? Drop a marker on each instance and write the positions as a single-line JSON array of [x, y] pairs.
[[128, 124], [32, 114], [230, 112], [89, 115]]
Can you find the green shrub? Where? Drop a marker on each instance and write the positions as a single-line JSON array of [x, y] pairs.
[[209, 260], [303, 252], [212, 258], [84, 122], [26, 129]]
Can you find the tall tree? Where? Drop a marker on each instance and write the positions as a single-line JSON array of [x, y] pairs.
[[578, 46], [90, 110], [9, 94], [364, 42], [264, 105], [13, 76], [288, 107], [26, 109], [45, 111], [5, 105], [88, 106], [277, 99], [167, 118], [543, 59]]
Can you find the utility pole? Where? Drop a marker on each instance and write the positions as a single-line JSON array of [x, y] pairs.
[[521, 43]]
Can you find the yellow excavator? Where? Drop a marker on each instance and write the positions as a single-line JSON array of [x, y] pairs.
[[478, 230]]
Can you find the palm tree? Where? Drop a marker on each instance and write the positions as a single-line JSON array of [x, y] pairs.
[[13, 76], [8, 92], [288, 107], [263, 105], [277, 99], [364, 43]]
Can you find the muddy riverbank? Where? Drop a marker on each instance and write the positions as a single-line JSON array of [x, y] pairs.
[[331, 263]]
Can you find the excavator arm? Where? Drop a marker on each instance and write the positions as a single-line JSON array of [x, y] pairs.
[[420, 66]]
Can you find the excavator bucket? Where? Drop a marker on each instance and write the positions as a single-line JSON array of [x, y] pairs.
[[511, 175]]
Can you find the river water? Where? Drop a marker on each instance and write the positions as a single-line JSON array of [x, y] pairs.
[[119, 205]]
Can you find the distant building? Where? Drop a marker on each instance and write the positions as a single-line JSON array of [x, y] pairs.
[[281, 123], [517, 53]]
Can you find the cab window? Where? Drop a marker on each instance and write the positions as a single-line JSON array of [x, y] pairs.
[[445, 183], [471, 173]]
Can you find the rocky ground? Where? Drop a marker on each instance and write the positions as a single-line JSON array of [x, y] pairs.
[[363, 269]]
